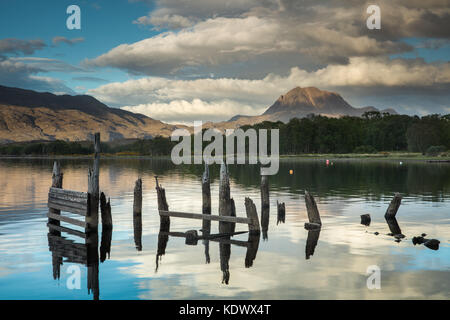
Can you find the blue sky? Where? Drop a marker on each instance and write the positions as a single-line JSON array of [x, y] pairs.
[[180, 60]]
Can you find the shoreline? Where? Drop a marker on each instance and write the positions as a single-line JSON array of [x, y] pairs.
[[400, 156]]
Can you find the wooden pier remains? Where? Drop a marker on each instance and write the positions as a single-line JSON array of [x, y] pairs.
[[227, 212]]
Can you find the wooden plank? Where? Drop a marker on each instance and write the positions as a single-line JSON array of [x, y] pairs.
[[239, 243], [67, 219], [71, 193], [204, 216], [66, 208], [65, 197], [68, 230], [78, 205]]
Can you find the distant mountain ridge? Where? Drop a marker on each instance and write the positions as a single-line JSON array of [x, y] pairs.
[[301, 102], [27, 115]]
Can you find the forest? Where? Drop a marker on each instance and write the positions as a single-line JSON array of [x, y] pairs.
[[373, 132]]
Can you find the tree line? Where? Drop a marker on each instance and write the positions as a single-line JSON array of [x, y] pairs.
[[371, 133]]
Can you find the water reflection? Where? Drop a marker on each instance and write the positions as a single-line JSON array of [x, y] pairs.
[[311, 242], [335, 268], [87, 254], [225, 242]]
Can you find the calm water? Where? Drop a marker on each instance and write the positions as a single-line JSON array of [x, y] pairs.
[[336, 266]]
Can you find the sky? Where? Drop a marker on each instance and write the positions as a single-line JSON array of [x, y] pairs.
[[185, 60]]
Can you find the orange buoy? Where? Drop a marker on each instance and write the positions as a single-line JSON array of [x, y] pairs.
[[291, 171]]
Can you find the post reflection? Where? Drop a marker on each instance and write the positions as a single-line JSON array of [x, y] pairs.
[[66, 250], [225, 242]]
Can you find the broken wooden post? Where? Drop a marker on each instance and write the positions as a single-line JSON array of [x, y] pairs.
[[281, 212], [137, 214], [224, 199], [105, 208], [393, 206], [57, 180], [311, 208], [93, 187], [162, 205], [206, 199], [105, 244], [250, 209], [265, 205]]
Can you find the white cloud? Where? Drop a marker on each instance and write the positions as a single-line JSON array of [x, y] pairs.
[[183, 111], [223, 41], [222, 98]]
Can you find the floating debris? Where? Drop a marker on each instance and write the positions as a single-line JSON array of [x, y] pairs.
[[365, 219], [432, 244]]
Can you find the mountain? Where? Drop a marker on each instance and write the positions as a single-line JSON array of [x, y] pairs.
[[27, 115], [301, 102]]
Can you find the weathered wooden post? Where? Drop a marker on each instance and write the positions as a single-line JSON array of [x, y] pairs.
[[206, 209], [250, 209], [393, 206], [93, 187], [265, 205], [206, 199], [162, 205], [281, 212], [57, 180], [311, 208], [224, 199], [137, 214], [105, 208]]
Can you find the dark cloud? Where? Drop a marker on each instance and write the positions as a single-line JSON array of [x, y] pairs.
[[90, 79], [18, 46], [22, 75], [58, 40]]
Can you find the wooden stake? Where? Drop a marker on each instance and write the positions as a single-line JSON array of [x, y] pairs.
[[250, 209], [224, 199], [105, 208], [162, 205], [393, 206], [57, 180], [265, 205], [206, 198], [311, 208], [93, 187]]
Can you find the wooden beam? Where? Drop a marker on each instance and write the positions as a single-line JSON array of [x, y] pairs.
[[70, 193], [68, 203], [68, 230], [60, 207], [67, 219], [204, 216], [238, 243]]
